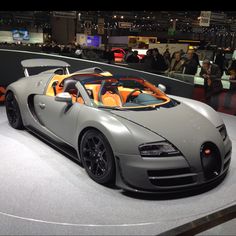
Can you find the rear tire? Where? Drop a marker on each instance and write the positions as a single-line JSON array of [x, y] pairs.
[[13, 111], [97, 157]]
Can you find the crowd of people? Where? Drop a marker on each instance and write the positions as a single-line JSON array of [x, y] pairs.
[[178, 62], [188, 63]]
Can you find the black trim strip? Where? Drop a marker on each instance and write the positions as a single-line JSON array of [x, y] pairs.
[[63, 148], [203, 223]]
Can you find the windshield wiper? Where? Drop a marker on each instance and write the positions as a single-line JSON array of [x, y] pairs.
[[112, 108], [143, 108]]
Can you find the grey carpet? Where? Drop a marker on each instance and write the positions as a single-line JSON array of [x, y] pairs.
[[43, 192]]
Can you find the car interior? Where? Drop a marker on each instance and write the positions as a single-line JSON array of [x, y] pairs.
[[108, 92]]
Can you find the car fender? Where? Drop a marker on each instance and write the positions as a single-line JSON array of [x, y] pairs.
[[123, 135]]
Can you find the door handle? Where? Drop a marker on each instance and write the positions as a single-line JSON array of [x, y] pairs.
[[42, 105]]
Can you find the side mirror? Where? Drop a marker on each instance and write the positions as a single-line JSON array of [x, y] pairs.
[[162, 87], [64, 97]]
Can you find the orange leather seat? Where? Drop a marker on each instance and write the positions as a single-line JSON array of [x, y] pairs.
[[111, 99]]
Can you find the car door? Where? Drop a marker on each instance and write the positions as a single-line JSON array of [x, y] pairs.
[[61, 118]]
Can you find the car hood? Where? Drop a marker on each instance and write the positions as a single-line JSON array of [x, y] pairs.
[[181, 125]]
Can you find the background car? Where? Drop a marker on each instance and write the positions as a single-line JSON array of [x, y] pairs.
[[119, 54]]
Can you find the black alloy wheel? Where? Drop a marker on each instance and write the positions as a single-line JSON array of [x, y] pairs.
[[97, 157], [13, 111]]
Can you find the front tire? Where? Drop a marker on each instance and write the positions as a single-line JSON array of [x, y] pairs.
[[97, 157], [13, 111]]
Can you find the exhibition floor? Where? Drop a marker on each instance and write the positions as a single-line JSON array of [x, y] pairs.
[[43, 192]]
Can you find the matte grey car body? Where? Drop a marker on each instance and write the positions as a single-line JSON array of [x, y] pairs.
[[187, 126]]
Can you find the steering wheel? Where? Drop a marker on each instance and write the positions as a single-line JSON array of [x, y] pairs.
[[130, 95]]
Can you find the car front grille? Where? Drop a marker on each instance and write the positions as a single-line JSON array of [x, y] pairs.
[[172, 177], [227, 159]]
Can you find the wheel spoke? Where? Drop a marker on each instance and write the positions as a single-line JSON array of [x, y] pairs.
[[103, 151], [86, 150], [100, 145], [97, 168], [103, 169], [103, 156], [87, 159], [91, 143], [94, 140], [93, 166]]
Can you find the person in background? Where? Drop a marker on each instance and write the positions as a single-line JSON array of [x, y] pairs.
[[196, 57], [167, 56], [147, 59], [176, 64], [69, 47], [182, 53], [109, 55], [65, 49], [212, 81], [133, 58], [158, 62], [128, 53], [232, 87], [56, 48], [220, 61], [190, 65], [78, 51], [73, 47]]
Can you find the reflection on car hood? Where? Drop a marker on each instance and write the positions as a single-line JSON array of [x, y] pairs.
[[181, 125]]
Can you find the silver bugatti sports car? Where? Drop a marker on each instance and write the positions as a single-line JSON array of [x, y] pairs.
[[123, 129]]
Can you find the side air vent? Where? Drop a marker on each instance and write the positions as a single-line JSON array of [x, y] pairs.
[[32, 108], [172, 177]]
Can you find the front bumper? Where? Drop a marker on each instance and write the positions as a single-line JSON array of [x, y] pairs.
[[164, 175]]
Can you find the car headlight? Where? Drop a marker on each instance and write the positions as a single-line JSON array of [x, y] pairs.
[[223, 131], [158, 149]]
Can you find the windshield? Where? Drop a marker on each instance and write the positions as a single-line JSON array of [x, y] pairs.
[[124, 93]]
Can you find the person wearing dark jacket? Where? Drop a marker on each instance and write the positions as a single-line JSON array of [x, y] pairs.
[[190, 65], [109, 55], [220, 61], [147, 59], [212, 81], [133, 58], [158, 61], [232, 87], [196, 58]]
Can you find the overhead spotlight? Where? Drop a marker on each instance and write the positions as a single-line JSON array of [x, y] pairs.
[[122, 17], [114, 16]]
